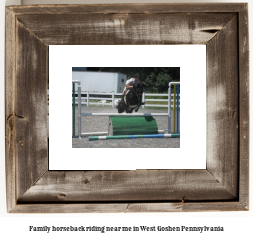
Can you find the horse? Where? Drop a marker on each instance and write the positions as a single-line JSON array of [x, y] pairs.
[[132, 100]]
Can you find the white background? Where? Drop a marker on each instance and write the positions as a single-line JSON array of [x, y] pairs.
[[192, 62], [236, 223]]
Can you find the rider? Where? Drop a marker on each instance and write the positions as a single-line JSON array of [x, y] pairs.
[[129, 84]]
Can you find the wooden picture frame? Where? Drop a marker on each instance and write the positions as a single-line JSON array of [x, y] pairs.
[[222, 186]]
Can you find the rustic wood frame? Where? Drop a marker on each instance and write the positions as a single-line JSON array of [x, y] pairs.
[[223, 186]]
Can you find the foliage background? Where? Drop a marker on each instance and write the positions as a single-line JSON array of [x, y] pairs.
[[154, 79]]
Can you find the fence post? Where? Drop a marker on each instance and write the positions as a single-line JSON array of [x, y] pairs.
[[174, 105], [143, 100], [169, 109], [73, 107], [174, 108], [79, 109], [178, 108], [88, 99], [112, 98]]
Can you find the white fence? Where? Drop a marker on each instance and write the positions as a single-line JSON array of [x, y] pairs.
[[115, 97]]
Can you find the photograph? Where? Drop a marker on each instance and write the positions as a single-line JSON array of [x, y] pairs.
[[126, 107]]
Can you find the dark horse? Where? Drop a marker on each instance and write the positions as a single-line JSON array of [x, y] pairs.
[[132, 99]]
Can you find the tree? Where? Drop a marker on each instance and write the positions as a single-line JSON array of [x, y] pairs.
[[155, 79]]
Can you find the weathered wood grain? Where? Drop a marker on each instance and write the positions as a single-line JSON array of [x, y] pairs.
[[9, 108], [244, 106], [140, 185], [222, 107], [30, 109], [129, 207], [154, 8], [186, 207], [133, 29]]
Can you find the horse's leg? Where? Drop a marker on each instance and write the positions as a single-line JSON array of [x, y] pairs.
[[138, 105], [120, 110], [121, 107], [129, 109], [137, 108]]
